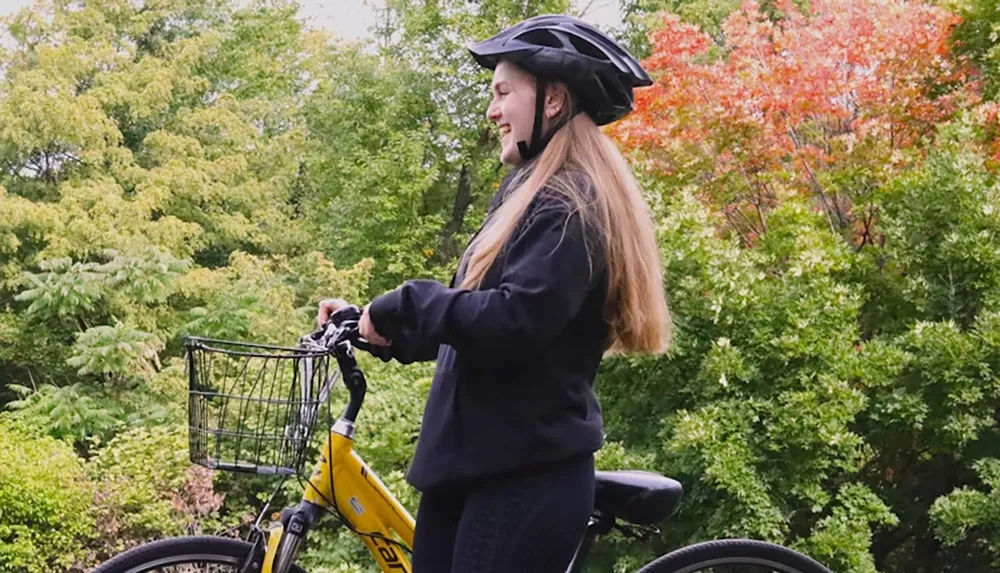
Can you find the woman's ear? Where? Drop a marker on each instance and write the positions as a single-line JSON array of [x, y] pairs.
[[555, 100]]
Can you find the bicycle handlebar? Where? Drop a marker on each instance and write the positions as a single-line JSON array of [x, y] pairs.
[[343, 325]]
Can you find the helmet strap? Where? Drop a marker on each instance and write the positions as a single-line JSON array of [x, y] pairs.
[[528, 152], [539, 141]]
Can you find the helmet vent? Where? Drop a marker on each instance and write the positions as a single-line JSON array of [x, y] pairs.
[[587, 49], [541, 38]]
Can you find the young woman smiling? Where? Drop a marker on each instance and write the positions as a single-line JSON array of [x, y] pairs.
[[564, 270]]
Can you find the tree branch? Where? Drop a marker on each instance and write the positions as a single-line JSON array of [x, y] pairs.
[[755, 190], [735, 225], [813, 181], [867, 235]]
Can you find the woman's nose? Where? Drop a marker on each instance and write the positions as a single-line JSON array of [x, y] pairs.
[[493, 112]]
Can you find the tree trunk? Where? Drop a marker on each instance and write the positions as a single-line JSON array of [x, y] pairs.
[[448, 247]]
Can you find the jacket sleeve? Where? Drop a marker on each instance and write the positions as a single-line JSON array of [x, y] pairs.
[[407, 347], [547, 274]]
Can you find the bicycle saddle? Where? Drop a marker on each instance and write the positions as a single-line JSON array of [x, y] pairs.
[[638, 497]]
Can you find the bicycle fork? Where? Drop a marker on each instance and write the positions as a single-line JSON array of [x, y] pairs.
[[285, 538]]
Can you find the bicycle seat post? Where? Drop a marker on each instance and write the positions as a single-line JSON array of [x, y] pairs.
[[598, 525]]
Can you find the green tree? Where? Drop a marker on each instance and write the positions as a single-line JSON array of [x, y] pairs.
[[147, 147], [977, 38], [405, 161], [932, 369], [754, 409]]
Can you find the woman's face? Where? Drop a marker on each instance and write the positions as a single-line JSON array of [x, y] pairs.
[[512, 109]]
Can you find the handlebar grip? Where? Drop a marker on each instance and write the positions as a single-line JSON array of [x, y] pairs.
[[383, 353]]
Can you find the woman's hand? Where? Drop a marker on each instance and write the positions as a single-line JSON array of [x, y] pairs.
[[328, 307], [365, 327], [367, 330]]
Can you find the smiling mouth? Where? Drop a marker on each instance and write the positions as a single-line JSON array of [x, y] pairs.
[[505, 129]]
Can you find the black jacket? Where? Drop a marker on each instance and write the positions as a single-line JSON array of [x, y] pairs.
[[516, 358]]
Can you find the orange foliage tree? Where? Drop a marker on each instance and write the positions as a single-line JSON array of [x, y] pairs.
[[828, 102]]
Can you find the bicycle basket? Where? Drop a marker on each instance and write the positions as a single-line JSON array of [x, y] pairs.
[[252, 407]]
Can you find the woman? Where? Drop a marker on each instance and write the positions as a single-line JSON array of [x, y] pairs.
[[564, 269]]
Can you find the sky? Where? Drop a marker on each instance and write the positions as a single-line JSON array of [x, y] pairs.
[[350, 19]]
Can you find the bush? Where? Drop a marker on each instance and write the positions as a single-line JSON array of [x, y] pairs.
[[45, 502], [147, 489]]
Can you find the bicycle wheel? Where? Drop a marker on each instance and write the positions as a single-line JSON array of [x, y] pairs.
[[182, 555], [734, 556]]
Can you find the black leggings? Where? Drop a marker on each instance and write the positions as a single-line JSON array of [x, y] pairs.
[[530, 522]]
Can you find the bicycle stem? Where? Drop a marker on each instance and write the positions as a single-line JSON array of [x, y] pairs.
[[354, 381]]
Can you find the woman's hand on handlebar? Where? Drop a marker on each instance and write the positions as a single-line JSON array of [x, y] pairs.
[[365, 327], [328, 307]]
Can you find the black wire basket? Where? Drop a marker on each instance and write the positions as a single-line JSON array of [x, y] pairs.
[[252, 407]]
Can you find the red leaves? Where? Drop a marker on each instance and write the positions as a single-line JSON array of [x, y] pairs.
[[845, 84], [198, 499], [675, 43]]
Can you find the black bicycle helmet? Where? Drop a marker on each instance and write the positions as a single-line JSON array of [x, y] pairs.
[[599, 72]]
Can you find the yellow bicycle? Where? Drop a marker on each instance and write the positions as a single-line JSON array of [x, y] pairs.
[[252, 408]]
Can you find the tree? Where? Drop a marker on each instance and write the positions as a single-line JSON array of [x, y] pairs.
[[45, 523], [405, 161], [976, 37], [822, 160], [754, 409], [829, 102], [152, 157]]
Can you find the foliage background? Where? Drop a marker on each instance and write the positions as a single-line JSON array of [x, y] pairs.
[[823, 177]]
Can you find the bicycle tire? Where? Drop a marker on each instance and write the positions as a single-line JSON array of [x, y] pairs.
[[176, 551], [732, 553]]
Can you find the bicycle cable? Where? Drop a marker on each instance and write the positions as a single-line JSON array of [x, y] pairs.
[[267, 505]]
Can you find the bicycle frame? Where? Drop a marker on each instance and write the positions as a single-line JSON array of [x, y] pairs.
[[369, 507], [366, 504], [373, 509]]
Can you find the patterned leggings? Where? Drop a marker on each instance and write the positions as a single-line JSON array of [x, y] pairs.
[[524, 523]]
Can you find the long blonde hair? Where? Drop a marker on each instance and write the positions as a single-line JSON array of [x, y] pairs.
[[636, 306]]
